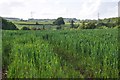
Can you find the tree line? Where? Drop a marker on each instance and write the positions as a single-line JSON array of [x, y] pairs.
[[83, 24], [91, 24]]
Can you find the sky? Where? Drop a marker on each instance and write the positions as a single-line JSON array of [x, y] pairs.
[[52, 9]]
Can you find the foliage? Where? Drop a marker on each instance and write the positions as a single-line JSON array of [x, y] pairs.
[[82, 25], [90, 26], [25, 28], [119, 21], [72, 23], [36, 23], [108, 22], [59, 21], [59, 27], [103, 27], [8, 25]]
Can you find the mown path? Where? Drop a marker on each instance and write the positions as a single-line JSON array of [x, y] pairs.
[[73, 61], [67, 56]]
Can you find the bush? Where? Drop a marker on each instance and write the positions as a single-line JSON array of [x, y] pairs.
[[37, 23], [103, 27], [25, 28], [116, 27], [33, 28], [90, 25], [8, 25], [82, 25], [59, 27]]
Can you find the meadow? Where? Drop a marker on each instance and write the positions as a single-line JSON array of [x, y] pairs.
[[60, 53]]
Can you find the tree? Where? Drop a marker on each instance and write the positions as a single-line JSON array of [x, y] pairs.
[[90, 25], [36, 23], [43, 27], [72, 23], [100, 24], [6, 25], [59, 21], [83, 25]]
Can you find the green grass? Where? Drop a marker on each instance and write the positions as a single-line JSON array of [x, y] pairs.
[[61, 53]]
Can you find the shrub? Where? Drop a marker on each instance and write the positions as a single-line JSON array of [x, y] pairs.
[[33, 28], [25, 28], [90, 25], [103, 27], [36, 23], [6, 25]]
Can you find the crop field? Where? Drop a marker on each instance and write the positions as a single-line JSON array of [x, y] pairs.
[[60, 53]]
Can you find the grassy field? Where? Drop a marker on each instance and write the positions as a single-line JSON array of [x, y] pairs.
[[61, 53], [32, 24]]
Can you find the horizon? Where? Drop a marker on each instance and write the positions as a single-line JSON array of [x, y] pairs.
[[56, 18], [52, 9]]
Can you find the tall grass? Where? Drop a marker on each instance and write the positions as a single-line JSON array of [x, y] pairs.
[[61, 54]]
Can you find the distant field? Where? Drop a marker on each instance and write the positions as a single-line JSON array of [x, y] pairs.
[[61, 53], [32, 24], [47, 26]]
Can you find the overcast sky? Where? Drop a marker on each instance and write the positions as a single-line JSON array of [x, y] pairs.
[[43, 9]]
